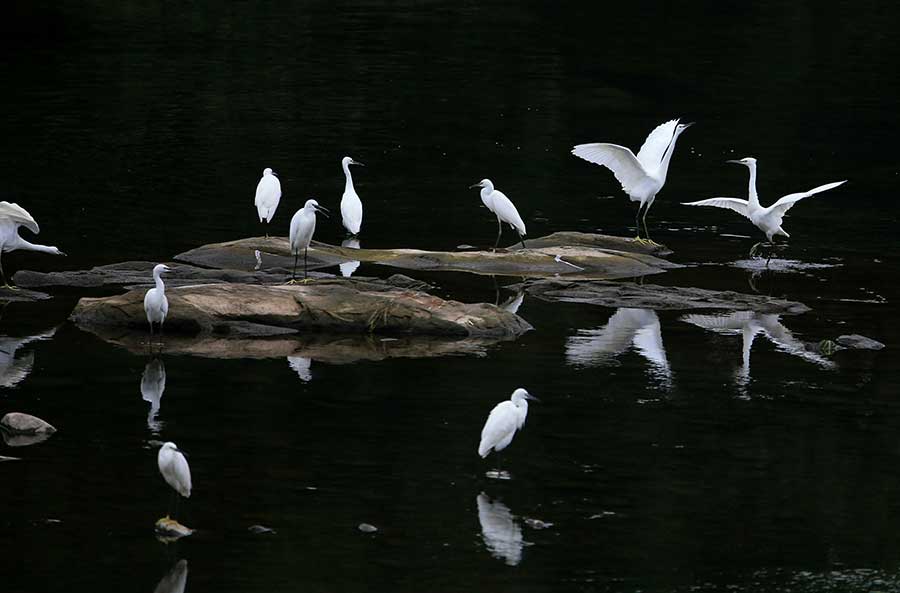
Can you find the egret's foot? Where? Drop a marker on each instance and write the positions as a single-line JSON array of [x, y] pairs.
[[293, 281], [650, 242], [10, 287]]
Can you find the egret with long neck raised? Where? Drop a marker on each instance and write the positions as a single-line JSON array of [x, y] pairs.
[[156, 305], [351, 205], [13, 216]]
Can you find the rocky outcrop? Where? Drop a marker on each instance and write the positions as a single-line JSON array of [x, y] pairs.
[[19, 430], [858, 342]]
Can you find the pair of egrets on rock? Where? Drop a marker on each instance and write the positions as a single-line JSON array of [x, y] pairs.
[[643, 175]]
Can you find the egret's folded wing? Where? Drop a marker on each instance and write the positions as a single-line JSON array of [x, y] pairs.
[[736, 204], [651, 153], [618, 159], [506, 211], [19, 215]]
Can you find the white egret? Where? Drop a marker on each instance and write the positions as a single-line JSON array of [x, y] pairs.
[[12, 216], [303, 225], [156, 305], [174, 469], [503, 208], [504, 420], [351, 205], [14, 370], [501, 533], [641, 176], [768, 219], [268, 194], [153, 385]]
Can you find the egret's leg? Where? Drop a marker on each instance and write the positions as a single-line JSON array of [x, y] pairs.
[[294, 272], [646, 230], [5, 283], [755, 248], [499, 233], [637, 222], [305, 264], [522, 239]]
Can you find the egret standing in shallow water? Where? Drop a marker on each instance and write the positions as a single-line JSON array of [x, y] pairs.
[[303, 225], [503, 208], [768, 219], [156, 305], [174, 469], [504, 420], [12, 216], [351, 205], [641, 176], [268, 194]]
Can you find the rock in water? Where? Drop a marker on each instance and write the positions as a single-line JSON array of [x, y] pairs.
[[858, 342], [170, 530], [260, 529], [24, 424], [367, 528]]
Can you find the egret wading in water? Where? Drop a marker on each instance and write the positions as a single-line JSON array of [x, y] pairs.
[[175, 470], [504, 420], [303, 225], [268, 194], [12, 216], [503, 208], [641, 176], [767, 219], [351, 205], [156, 305]]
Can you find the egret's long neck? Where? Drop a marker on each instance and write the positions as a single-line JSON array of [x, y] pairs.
[[667, 156], [23, 244], [349, 182], [157, 278], [754, 197]]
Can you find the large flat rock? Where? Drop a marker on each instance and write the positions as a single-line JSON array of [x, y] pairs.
[[325, 305], [575, 255]]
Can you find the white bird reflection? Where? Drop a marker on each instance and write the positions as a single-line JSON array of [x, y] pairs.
[[301, 365], [513, 303], [348, 267], [14, 370], [153, 384], [175, 580], [626, 328], [749, 324], [501, 533]]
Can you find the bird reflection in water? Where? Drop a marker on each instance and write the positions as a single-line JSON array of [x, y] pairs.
[[626, 328], [13, 370], [501, 533], [175, 580], [300, 365], [153, 384], [348, 267], [749, 324]]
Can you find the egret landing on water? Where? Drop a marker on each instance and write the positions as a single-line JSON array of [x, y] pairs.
[[268, 194], [503, 208], [641, 176], [351, 205], [12, 216], [504, 420], [175, 470], [303, 225], [156, 305], [768, 220]]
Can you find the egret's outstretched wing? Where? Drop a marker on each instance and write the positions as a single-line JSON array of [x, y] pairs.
[[501, 424], [784, 204], [736, 204], [785, 340], [618, 159], [651, 153], [19, 215], [506, 211]]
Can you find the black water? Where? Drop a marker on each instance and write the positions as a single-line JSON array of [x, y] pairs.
[[662, 460]]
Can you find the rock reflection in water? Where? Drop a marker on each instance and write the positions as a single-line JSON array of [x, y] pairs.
[[175, 580], [153, 384], [501, 533], [14, 370], [348, 267], [626, 327]]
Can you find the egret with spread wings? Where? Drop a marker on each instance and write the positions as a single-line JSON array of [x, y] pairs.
[[12, 216]]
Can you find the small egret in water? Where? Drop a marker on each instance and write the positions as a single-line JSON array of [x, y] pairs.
[[768, 219], [641, 176], [174, 469], [12, 216], [504, 420], [497, 202], [351, 205], [303, 225], [156, 305], [268, 194]]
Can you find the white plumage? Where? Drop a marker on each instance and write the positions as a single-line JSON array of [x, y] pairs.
[[503, 208], [153, 385], [174, 469], [12, 216], [500, 531], [156, 305], [268, 195], [351, 205], [504, 420], [643, 175], [767, 219], [303, 225], [14, 370]]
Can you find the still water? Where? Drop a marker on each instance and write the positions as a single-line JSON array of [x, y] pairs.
[[672, 451]]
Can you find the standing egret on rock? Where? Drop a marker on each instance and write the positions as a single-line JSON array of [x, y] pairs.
[[641, 176], [156, 305], [768, 219], [268, 194], [12, 216], [503, 208], [504, 420], [174, 469], [351, 205], [303, 225]]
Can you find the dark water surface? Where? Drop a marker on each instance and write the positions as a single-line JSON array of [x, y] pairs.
[[662, 457]]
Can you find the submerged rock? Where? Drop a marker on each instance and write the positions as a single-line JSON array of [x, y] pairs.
[[858, 342], [21, 430], [261, 530], [367, 528], [344, 306]]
